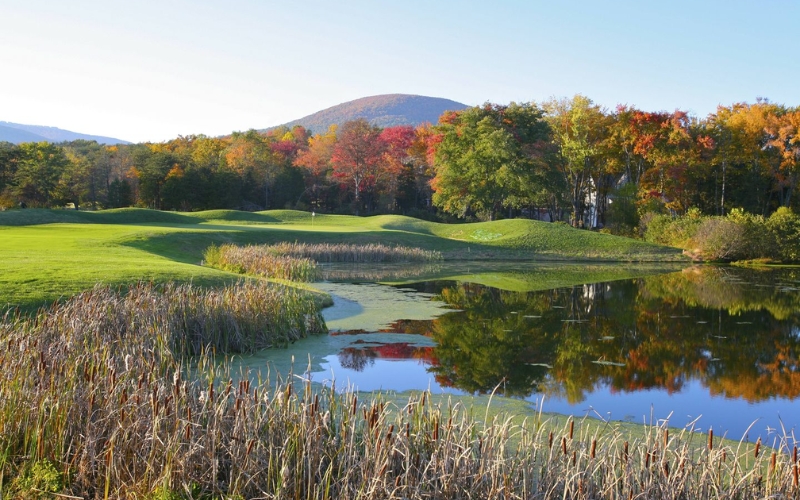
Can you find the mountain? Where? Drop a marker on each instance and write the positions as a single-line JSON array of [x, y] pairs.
[[382, 110], [17, 133], [16, 136]]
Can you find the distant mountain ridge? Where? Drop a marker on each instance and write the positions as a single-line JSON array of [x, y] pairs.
[[17, 133], [385, 110]]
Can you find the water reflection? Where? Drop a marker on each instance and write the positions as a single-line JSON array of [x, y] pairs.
[[737, 336], [722, 342]]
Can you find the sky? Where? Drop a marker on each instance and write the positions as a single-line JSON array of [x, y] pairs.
[[153, 70]]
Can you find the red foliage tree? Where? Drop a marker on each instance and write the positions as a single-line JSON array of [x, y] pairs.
[[358, 156]]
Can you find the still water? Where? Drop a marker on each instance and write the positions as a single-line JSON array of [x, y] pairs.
[[704, 347]]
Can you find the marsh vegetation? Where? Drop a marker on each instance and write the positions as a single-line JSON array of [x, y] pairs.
[[96, 401]]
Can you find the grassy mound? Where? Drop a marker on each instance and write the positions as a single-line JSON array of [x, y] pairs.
[[47, 254]]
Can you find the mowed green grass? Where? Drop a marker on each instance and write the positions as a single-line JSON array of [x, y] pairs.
[[48, 254]]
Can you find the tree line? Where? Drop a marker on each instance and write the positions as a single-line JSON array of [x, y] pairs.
[[565, 160]]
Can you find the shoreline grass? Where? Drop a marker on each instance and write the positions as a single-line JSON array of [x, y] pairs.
[[94, 411]]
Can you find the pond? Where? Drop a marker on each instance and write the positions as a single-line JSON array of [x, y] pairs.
[[704, 347]]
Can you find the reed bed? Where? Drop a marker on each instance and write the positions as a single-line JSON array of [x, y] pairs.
[[341, 252], [258, 260], [97, 400], [298, 261], [95, 404]]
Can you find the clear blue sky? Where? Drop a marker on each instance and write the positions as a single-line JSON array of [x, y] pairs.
[[152, 70]]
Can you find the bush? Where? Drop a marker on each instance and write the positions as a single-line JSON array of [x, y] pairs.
[[784, 228], [720, 239], [737, 236], [672, 231]]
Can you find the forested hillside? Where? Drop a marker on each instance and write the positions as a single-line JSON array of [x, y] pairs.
[[561, 160]]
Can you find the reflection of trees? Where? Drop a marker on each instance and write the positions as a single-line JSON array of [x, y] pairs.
[[486, 345], [732, 289], [658, 332], [358, 358]]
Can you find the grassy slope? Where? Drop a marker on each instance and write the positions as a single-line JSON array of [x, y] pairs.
[[45, 254]]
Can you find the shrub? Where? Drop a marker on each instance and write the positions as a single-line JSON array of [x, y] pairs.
[[784, 227], [720, 239], [672, 231]]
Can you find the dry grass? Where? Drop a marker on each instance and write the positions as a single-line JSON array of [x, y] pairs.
[[340, 252], [260, 260], [298, 261], [95, 389]]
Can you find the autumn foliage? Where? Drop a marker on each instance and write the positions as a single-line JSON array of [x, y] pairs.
[[565, 160]]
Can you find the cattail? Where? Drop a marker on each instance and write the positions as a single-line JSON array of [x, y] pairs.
[[758, 446], [250, 447], [550, 441], [571, 428], [563, 446], [625, 452], [594, 447], [710, 439], [772, 460], [796, 480]]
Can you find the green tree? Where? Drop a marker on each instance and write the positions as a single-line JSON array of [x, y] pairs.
[[9, 158], [579, 129], [489, 158], [151, 171], [38, 172], [120, 194]]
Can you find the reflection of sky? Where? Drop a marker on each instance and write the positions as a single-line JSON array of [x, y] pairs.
[[380, 374], [723, 415]]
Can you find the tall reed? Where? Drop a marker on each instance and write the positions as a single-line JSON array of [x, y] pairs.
[[297, 261], [257, 260], [97, 390], [94, 389], [342, 252]]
